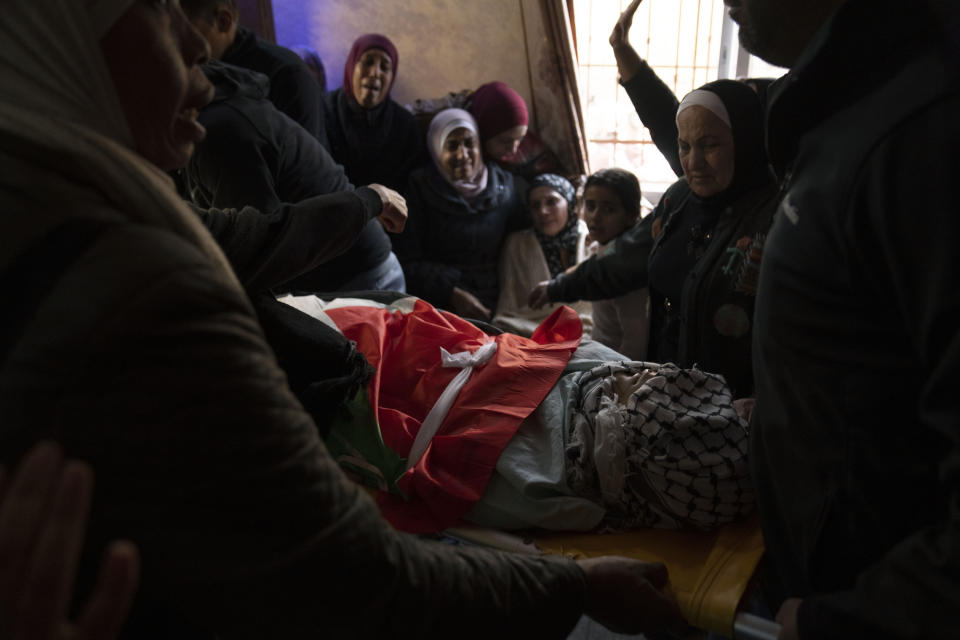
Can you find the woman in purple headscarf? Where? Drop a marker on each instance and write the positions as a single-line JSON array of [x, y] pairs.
[[374, 138]]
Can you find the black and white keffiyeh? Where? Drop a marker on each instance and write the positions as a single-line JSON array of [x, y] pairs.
[[658, 446]]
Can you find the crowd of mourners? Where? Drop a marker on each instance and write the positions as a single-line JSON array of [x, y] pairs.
[[495, 229], [166, 175]]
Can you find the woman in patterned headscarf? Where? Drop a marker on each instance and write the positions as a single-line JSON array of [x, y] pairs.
[[554, 244]]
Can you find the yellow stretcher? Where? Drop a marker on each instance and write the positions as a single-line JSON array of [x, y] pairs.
[[709, 572]]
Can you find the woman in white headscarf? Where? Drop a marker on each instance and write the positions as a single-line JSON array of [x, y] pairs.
[[460, 209], [128, 340]]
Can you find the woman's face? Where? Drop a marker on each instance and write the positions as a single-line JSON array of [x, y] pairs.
[[548, 209], [372, 76], [460, 156], [505, 144], [154, 56], [706, 151], [604, 213]]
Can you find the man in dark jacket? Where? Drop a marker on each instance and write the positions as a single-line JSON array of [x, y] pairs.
[[293, 88], [255, 156], [855, 446]]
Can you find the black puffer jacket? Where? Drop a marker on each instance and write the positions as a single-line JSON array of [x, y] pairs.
[[855, 446], [255, 156], [380, 145], [450, 242]]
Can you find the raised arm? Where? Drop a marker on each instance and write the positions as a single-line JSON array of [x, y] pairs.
[[654, 101]]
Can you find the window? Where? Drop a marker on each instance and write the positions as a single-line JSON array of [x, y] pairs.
[[687, 42]]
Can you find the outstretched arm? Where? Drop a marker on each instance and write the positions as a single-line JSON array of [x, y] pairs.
[[607, 276], [266, 251]]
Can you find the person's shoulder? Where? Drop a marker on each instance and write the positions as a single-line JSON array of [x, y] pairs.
[[284, 57], [402, 114], [232, 124], [502, 175], [421, 175], [679, 188], [140, 266], [504, 181], [253, 52], [151, 250]]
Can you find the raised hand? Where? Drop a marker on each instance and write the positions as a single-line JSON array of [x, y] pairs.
[[43, 516], [621, 30]]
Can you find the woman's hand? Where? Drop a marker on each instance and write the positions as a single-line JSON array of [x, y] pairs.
[[468, 305], [393, 215], [628, 60], [619, 37], [43, 518], [538, 296], [626, 595]]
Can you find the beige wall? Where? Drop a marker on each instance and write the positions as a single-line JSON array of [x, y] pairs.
[[444, 45]]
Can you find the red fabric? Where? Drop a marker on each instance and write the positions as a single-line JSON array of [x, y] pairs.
[[405, 350], [496, 108]]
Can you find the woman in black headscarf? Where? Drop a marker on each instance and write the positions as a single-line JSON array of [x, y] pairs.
[[709, 241], [374, 138], [700, 249]]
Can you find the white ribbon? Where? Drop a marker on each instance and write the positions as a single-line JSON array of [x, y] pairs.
[[465, 361]]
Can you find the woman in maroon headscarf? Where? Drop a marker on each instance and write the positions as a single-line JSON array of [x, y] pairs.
[[374, 138], [502, 116]]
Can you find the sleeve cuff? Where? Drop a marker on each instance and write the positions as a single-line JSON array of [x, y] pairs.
[[372, 205]]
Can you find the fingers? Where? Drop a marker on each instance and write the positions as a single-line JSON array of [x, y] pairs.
[[393, 212], [538, 296], [105, 611], [49, 580], [484, 312], [625, 595], [28, 493], [656, 573], [393, 218], [622, 29], [627, 16]]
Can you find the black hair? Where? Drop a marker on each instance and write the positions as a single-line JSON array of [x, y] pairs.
[[621, 182], [206, 8]]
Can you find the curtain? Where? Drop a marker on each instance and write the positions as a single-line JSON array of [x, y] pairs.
[[551, 61]]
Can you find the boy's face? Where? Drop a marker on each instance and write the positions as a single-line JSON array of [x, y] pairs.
[[604, 213]]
